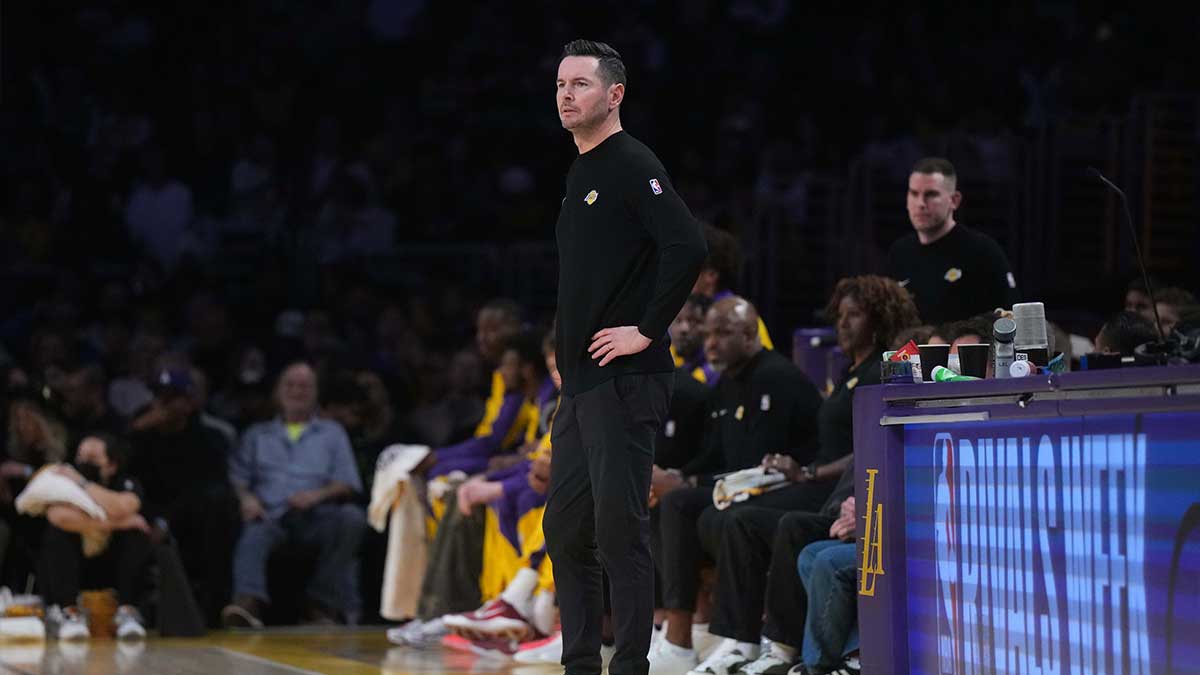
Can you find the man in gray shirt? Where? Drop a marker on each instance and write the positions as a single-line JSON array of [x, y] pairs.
[[293, 476]]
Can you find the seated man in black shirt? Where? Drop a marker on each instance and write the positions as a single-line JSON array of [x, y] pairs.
[[182, 464], [756, 558], [762, 405], [63, 570], [953, 271]]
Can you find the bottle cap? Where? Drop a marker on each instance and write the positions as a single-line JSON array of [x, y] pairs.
[[1019, 369], [1004, 330]]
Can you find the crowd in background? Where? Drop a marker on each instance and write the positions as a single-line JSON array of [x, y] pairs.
[[190, 200]]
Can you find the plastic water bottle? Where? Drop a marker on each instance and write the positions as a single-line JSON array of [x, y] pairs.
[[1003, 333]]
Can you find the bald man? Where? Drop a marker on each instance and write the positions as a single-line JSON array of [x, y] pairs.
[[295, 477], [762, 405]]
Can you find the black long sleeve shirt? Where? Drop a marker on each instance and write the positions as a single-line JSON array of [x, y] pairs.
[[769, 406], [629, 252]]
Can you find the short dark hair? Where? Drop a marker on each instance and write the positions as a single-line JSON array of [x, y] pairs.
[[702, 302], [724, 255], [115, 448], [611, 67], [506, 307], [932, 165], [1125, 331], [1174, 296], [980, 325], [528, 347], [343, 389]]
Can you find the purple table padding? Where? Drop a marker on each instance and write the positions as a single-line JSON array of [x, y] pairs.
[[902, 634]]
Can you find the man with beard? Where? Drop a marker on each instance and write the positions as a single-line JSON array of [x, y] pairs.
[[629, 252]]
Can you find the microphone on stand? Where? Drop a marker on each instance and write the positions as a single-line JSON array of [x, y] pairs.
[[1094, 172]]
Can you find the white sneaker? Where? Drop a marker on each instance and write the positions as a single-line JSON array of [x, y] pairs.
[[770, 663], [129, 623], [548, 652], [544, 652], [726, 659], [417, 633], [703, 641], [607, 652], [72, 625], [668, 659]]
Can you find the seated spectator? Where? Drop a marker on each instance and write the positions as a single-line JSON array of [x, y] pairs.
[[516, 579], [754, 560], [85, 404], [181, 464], [37, 434], [63, 570], [1172, 303], [1137, 298], [762, 405], [921, 335], [1124, 332], [678, 438], [720, 270], [828, 571], [294, 477], [499, 430], [687, 340]]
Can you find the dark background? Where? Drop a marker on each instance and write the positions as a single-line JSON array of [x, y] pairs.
[[382, 168]]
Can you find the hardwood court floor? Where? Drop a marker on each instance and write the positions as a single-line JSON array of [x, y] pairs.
[[273, 652]]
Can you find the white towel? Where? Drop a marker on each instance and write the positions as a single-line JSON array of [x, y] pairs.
[[47, 488], [397, 491], [742, 485]]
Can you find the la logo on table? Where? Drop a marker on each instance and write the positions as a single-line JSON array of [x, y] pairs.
[[872, 547]]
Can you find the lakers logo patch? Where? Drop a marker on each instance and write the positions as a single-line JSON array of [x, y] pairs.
[[591, 198], [953, 274]]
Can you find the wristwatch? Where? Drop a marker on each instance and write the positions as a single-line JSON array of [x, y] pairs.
[[809, 471]]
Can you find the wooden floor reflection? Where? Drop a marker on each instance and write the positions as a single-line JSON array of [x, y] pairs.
[[277, 652]]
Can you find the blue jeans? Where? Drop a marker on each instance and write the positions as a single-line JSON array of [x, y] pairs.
[[334, 530], [827, 570]]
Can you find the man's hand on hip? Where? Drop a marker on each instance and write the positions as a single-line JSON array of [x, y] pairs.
[[610, 343]]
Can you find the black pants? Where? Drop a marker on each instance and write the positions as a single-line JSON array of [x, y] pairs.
[[692, 529], [63, 571], [757, 566], [597, 518]]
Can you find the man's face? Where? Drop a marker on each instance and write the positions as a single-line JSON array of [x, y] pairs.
[[510, 370], [687, 331], [583, 98], [932, 200], [492, 329], [298, 391], [1169, 314], [1138, 303], [854, 332], [727, 341]]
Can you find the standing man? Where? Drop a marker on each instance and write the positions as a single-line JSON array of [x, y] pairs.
[[953, 272], [629, 251]]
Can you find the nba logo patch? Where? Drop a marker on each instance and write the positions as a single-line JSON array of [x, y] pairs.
[[655, 187]]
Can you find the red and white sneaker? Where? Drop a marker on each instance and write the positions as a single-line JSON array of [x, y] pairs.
[[496, 619], [493, 647]]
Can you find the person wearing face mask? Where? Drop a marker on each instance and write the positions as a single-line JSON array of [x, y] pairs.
[[63, 570]]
